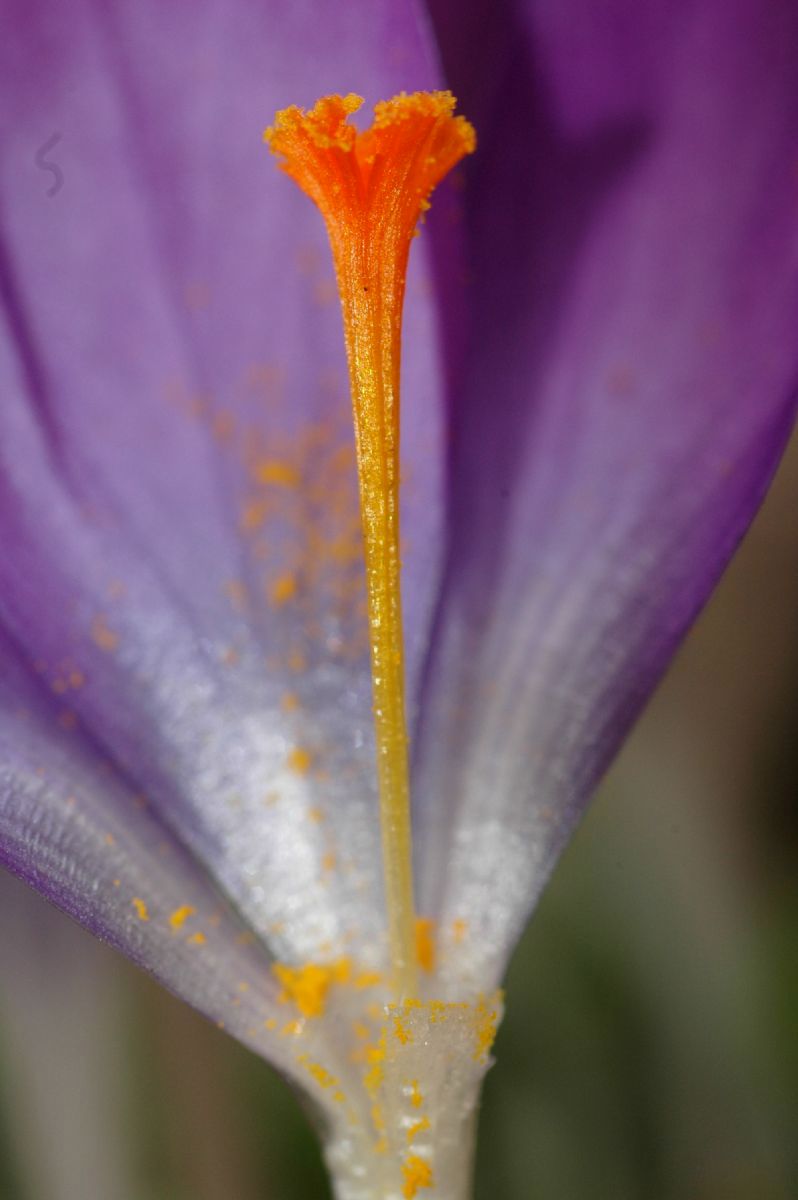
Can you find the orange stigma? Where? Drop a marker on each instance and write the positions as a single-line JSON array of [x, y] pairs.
[[372, 188]]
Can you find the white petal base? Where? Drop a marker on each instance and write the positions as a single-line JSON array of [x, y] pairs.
[[408, 1130]]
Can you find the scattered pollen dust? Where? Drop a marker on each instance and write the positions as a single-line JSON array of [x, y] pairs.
[[102, 636]]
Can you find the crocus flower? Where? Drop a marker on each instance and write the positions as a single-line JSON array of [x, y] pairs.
[[598, 378]]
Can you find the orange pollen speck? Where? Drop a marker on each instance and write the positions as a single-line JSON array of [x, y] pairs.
[[420, 1126], [372, 189], [283, 589], [299, 761], [102, 636], [280, 474], [180, 916]]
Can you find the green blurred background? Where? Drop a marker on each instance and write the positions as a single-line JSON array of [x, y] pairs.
[[650, 1047]]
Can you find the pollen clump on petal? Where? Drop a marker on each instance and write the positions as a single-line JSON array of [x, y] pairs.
[[307, 986], [417, 1174], [487, 1022]]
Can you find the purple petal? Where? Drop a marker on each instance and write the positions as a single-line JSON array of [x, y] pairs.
[[175, 443], [633, 225], [72, 827]]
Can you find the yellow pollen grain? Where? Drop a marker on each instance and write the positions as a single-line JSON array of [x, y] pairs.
[[417, 1174], [437, 1011], [197, 939], [416, 1095], [102, 636], [289, 702], [179, 917], [375, 1055], [278, 473], [425, 944], [299, 760], [459, 930], [401, 1031], [270, 1023], [418, 1127], [323, 1077], [283, 589], [367, 979], [316, 815], [487, 1020], [141, 908], [329, 862]]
